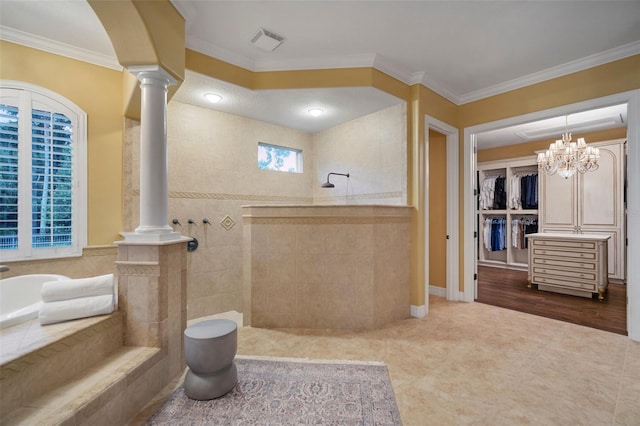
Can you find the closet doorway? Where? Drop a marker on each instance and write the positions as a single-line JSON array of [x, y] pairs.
[[502, 271]]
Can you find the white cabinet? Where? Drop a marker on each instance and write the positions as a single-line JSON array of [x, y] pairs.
[[573, 264], [590, 203], [513, 255]]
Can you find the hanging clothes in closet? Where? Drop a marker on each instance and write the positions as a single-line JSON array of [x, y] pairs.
[[523, 192], [519, 228], [500, 195], [529, 191], [486, 193], [495, 233], [493, 193]]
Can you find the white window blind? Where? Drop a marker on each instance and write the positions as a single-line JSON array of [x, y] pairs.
[[42, 174], [8, 177], [51, 179]]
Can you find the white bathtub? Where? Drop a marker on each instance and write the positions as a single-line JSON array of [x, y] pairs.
[[20, 297]]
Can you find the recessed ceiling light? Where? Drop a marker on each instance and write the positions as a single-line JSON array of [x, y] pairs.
[[315, 111], [213, 98]]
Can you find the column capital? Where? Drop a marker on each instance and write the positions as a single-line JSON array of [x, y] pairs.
[[155, 72]]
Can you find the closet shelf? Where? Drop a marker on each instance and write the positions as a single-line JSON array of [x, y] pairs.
[[500, 243], [510, 211], [490, 212]]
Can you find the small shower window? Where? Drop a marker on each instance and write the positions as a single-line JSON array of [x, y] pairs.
[[279, 158]]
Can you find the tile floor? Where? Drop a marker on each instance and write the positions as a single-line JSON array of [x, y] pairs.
[[475, 364]]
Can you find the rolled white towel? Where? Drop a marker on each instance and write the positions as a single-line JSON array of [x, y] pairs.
[[52, 312], [53, 291]]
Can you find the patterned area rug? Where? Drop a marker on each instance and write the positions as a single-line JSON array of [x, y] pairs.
[[276, 391]]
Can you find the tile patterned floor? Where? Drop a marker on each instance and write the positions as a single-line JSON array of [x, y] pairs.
[[477, 364]]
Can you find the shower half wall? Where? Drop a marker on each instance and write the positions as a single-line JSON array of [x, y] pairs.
[[336, 267]]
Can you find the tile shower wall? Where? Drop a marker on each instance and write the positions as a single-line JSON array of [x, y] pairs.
[[373, 150], [213, 172], [95, 260]]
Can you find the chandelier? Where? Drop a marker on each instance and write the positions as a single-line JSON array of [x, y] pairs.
[[565, 157]]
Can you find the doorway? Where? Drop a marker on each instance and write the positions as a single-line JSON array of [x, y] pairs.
[[633, 187], [449, 153]]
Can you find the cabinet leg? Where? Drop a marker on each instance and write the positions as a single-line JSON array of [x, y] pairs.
[[601, 293], [528, 282]]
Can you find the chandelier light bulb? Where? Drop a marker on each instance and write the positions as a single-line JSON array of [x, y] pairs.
[[565, 157]]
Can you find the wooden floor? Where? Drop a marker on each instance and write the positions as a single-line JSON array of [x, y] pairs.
[[508, 289]]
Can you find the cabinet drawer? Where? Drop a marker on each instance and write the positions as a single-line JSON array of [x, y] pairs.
[[557, 244], [589, 266], [565, 273], [547, 280], [564, 254]]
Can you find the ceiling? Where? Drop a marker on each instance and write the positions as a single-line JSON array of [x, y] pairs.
[[286, 107], [463, 50]]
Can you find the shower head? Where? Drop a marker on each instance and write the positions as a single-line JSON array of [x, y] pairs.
[[328, 184]]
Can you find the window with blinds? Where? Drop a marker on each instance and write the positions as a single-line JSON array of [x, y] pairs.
[[42, 195]]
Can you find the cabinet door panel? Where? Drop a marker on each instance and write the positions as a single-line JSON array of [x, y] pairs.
[[557, 200], [600, 191]]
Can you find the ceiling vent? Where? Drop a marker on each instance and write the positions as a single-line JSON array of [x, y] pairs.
[[266, 40]]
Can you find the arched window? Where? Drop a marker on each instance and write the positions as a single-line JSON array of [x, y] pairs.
[[43, 141]]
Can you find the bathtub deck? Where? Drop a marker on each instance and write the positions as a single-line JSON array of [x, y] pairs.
[[27, 337]]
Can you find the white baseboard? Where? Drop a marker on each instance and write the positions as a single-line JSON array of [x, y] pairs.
[[438, 291], [418, 311]]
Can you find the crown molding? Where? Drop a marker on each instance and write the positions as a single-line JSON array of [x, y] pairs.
[[387, 66], [436, 86], [328, 62], [216, 52], [41, 43], [582, 64]]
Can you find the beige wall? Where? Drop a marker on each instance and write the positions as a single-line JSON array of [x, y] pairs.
[[97, 91], [614, 77], [372, 149], [95, 260]]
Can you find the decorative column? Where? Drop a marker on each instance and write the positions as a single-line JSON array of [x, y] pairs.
[[154, 195], [151, 269]]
